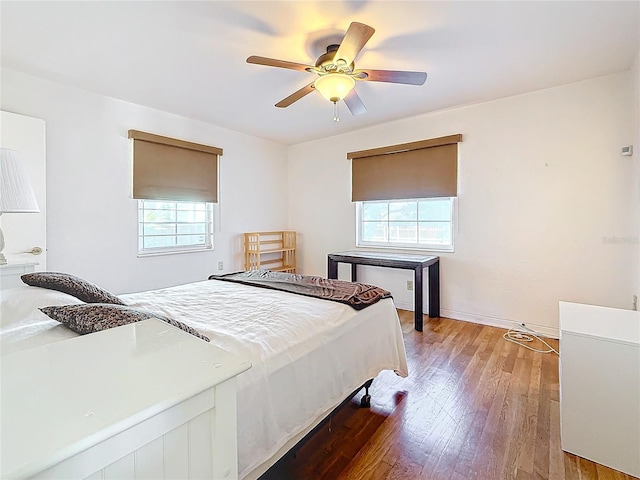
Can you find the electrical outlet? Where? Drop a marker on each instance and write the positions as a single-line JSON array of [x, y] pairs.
[[635, 302], [220, 266], [409, 284]]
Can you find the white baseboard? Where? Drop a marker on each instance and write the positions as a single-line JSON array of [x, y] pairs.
[[404, 305], [543, 330]]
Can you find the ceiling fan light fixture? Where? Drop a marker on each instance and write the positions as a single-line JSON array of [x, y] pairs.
[[334, 86], [337, 74]]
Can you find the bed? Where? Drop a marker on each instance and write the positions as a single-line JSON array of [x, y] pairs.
[[307, 354]]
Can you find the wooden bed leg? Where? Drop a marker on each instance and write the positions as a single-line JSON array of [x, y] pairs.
[[365, 401]]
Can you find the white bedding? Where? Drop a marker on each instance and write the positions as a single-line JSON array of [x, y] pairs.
[[23, 326], [307, 354]]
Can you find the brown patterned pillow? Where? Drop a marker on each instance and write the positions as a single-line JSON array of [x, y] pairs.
[[94, 317], [63, 282]]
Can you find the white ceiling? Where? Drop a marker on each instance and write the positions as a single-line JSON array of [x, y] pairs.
[[189, 57]]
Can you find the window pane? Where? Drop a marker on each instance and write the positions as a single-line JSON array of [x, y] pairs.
[[159, 215], [159, 205], [403, 210], [190, 239], [403, 232], [190, 206], [435, 233], [155, 242], [191, 216], [165, 225], [434, 210], [374, 211], [413, 223], [192, 228], [374, 231], [159, 229]]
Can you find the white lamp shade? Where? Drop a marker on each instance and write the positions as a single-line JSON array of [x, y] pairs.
[[334, 86], [16, 193]]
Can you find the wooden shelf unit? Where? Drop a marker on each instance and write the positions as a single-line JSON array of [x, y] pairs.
[[275, 251]]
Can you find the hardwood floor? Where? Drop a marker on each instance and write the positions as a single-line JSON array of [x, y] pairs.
[[473, 407]]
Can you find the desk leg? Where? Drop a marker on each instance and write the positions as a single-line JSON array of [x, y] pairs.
[[332, 268], [417, 288], [354, 272], [434, 290]]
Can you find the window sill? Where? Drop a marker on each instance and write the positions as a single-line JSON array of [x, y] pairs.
[[404, 248], [174, 252]]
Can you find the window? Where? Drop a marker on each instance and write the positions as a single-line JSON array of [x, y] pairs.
[[405, 194], [185, 176], [425, 223], [174, 226]]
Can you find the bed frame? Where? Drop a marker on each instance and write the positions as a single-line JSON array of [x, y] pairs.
[[365, 402], [299, 440]]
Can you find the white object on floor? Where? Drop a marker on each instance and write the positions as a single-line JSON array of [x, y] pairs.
[[600, 385]]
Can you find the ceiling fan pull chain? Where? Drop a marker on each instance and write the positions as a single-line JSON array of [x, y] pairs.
[[336, 112]]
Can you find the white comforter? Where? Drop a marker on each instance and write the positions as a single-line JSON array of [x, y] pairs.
[[307, 354]]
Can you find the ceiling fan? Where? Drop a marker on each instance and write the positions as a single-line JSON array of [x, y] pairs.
[[337, 74]]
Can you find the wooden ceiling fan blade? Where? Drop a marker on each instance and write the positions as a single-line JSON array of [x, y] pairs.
[[393, 76], [294, 97], [358, 34], [272, 62], [354, 103]]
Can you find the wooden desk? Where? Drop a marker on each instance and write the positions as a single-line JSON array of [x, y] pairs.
[[417, 263]]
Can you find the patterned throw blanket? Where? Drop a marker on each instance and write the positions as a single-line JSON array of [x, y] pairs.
[[356, 295]]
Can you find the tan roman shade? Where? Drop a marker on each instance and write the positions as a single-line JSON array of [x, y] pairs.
[[169, 169], [424, 169]]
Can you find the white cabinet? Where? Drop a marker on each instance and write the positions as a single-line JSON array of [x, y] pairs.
[[11, 272], [600, 385], [145, 400]]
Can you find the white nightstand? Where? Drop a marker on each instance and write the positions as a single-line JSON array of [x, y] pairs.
[[11, 272]]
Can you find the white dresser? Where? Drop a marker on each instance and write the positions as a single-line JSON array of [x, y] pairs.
[[11, 272], [145, 400], [600, 385]]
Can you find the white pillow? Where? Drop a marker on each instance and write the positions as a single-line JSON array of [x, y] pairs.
[[18, 303]]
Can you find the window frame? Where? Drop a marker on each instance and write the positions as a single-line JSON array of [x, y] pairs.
[[407, 246], [178, 249]]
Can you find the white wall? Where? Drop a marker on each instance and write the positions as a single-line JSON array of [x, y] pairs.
[[548, 207], [91, 217]]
